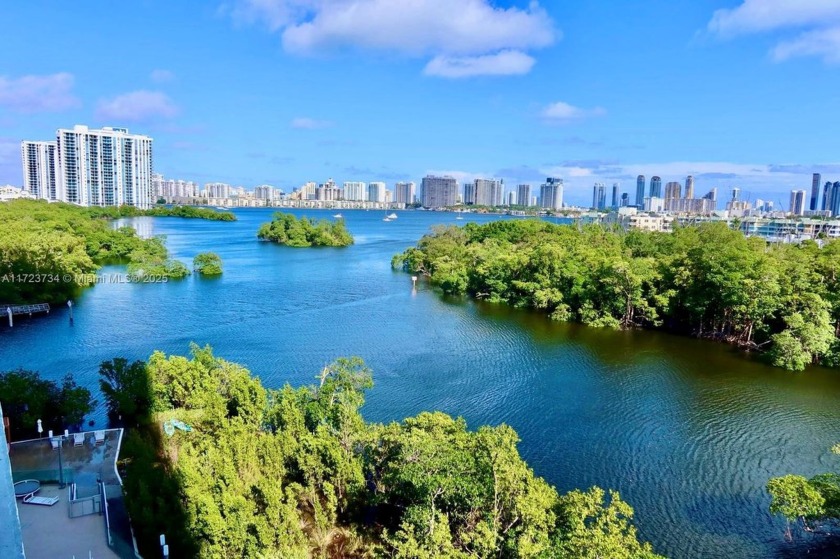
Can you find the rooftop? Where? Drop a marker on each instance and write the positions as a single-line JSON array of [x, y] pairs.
[[89, 518]]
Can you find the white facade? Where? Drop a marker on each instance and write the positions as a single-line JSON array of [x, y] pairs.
[[355, 191], [405, 192], [218, 190], [107, 167], [376, 192], [551, 193], [39, 178]]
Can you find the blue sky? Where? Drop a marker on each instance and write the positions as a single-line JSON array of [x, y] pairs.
[[737, 92]]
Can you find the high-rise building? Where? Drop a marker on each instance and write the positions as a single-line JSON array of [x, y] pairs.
[[640, 191], [438, 192], [615, 188], [265, 192], [488, 192], [599, 196], [469, 194], [689, 187], [523, 194], [625, 199], [712, 196], [551, 193], [511, 198], [328, 191], [736, 194], [355, 191], [219, 190], [672, 190], [376, 192], [835, 199], [826, 199], [39, 178], [405, 192], [816, 180], [655, 187], [797, 202], [107, 167]]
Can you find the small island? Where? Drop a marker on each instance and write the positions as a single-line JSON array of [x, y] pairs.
[[207, 264], [188, 212], [288, 230]]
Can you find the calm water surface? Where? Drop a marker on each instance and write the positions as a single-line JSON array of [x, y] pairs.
[[688, 431]]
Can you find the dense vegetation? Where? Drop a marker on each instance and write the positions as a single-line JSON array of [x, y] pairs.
[[192, 212], [288, 230], [707, 281], [49, 251], [298, 473], [208, 264], [26, 398]]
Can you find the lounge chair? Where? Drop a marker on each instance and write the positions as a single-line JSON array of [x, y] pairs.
[[45, 501], [55, 442], [78, 439], [99, 437]]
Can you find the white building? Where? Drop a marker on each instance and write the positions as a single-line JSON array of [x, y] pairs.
[[107, 167], [551, 193], [355, 191], [39, 177], [376, 192], [405, 192], [265, 192], [10, 192], [218, 190]]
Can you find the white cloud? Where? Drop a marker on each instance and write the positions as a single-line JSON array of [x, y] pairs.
[[137, 106], [564, 112], [817, 25], [306, 123], [456, 33], [505, 63], [824, 43], [32, 94], [161, 76]]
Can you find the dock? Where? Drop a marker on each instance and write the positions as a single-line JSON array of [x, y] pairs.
[[11, 310]]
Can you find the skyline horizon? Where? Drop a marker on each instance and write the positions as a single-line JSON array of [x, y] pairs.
[[507, 89]]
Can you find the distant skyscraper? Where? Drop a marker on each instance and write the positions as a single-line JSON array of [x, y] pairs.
[[551, 193], [355, 191], [107, 167], [39, 178], [689, 187], [640, 191], [439, 192], [599, 196], [797, 202], [511, 198], [487, 192], [655, 187], [523, 195], [736, 194], [712, 196], [835, 199], [469, 194], [815, 191], [405, 192], [826, 200], [614, 200], [625, 199], [376, 192], [672, 190]]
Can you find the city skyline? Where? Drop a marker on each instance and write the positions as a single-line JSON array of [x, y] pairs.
[[267, 106]]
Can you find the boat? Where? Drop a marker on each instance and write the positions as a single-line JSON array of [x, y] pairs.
[[460, 217], [221, 208], [338, 216], [391, 215], [387, 219]]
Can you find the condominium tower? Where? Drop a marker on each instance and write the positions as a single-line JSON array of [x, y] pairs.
[[107, 167], [551, 193], [815, 191], [640, 191], [405, 192], [523, 195], [39, 177], [655, 187], [439, 192]]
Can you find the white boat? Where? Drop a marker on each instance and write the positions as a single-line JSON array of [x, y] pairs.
[[338, 216], [221, 208], [459, 217], [391, 216], [387, 219]]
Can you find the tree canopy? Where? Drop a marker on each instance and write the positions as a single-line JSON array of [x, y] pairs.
[[299, 473], [289, 230], [708, 281]]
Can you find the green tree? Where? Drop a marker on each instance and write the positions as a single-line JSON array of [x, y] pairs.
[[208, 264], [126, 389], [795, 499]]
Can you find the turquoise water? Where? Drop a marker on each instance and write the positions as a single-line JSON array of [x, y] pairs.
[[689, 431]]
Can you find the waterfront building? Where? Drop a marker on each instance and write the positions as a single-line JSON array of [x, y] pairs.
[[438, 192], [469, 196], [599, 196], [265, 192], [107, 167], [816, 181], [689, 187], [711, 195], [511, 198], [376, 192], [835, 199], [9, 192], [487, 192], [355, 191], [405, 192], [328, 191], [655, 187], [307, 191], [797, 202], [523, 195], [615, 188], [640, 191], [672, 190], [551, 193], [39, 172], [218, 190]]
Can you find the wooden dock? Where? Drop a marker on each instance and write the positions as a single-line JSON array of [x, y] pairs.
[[26, 309]]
